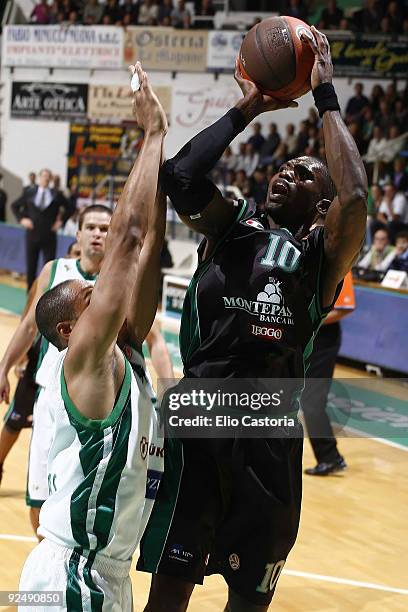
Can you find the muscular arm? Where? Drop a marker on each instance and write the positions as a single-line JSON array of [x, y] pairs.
[[24, 335], [159, 354]]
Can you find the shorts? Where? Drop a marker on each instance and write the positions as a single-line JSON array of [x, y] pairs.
[[41, 439], [229, 507], [19, 415], [88, 584]]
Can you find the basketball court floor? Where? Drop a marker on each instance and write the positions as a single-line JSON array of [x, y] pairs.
[[352, 550]]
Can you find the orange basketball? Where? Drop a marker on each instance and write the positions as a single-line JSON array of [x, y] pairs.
[[274, 57]]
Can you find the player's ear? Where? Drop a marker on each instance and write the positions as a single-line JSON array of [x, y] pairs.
[[323, 206], [64, 329]]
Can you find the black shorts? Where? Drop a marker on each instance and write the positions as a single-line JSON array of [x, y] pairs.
[[20, 413], [228, 507]]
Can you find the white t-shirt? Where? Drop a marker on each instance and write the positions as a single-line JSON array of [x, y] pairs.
[[399, 207]]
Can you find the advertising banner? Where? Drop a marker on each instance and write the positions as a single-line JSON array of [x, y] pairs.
[[223, 48], [54, 101], [113, 103], [166, 49], [63, 47], [100, 159]]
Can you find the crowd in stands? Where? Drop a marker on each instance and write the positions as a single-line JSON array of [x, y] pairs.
[[375, 16], [379, 125], [123, 13]]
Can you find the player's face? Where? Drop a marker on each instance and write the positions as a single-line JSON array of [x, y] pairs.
[[92, 236], [294, 192]]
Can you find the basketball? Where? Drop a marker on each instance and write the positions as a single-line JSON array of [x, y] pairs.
[[274, 57]]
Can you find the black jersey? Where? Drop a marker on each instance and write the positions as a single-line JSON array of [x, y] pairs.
[[253, 306]]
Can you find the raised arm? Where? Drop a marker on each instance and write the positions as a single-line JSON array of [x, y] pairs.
[[183, 177], [345, 222], [25, 333], [93, 338]]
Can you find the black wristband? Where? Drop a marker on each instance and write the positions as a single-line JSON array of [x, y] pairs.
[[325, 98], [237, 119]]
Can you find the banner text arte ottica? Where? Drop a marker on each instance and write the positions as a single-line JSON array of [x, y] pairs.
[[53, 101]]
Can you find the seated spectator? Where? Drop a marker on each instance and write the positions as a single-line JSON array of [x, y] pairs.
[[375, 197], [376, 145], [356, 103], [148, 11], [313, 118], [54, 11], [257, 139], [205, 8], [281, 155], [367, 126], [259, 186], [40, 13], [242, 183], [179, 14], [241, 156], [385, 26], [165, 11], [395, 143], [313, 141], [401, 115], [290, 139], [400, 262], [269, 146], [393, 210], [112, 11], [381, 253], [331, 16], [251, 159], [296, 9], [229, 160], [384, 116], [302, 138], [400, 179], [377, 93], [128, 13], [368, 19], [354, 129], [395, 16], [93, 12]]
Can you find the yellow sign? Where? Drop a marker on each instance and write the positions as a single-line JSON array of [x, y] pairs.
[[113, 103]]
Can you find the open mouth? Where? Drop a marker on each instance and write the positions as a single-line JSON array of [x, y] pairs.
[[280, 187]]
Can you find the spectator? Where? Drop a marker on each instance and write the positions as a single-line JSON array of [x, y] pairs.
[[32, 177], [384, 117], [148, 11], [41, 13], [313, 141], [242, 183], [241, 156], [251, 159], [393, 210], [313, 118], [178, 14], [376, 145], [400, 179], [72, 19], [93, 12], [290, 139], [205, 8], [302, 138], [38, 210], [296, 9], [257, 140], [400, 262], [112, 11], [281, 155], [165, 11], [394, 16], [259, 186], [375, 197], [344, 25], [368, 19], [367, 127], [54, 11], [395, 143], [377, 93], [228, 161], [354, 129], [270, 144], [381, 253], [356, 104], [128, 13], [3, 201], [331, 16], [401, 115]]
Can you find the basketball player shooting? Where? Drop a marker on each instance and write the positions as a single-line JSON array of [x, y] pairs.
[[101, 480], [240, 519]]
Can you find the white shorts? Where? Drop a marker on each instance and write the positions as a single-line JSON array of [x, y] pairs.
[[41, 439], [101, 586]]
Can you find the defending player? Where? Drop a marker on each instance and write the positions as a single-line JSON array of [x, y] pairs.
[[100, 465], [234, 506]]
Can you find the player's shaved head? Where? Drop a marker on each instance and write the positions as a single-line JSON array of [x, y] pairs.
[[58, 305]]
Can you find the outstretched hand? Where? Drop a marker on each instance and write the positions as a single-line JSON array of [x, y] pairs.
[[322, 71], [254, 101], [147, 109]]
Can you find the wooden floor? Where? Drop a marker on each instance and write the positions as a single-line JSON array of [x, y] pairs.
[[351, 553]]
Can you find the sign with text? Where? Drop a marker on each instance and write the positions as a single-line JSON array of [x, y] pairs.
[[54, 101], [63, 47], [223, 48], [166, 49], [113, 103], [370, 56]]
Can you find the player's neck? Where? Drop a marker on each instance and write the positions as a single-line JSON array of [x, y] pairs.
[[89, 266]]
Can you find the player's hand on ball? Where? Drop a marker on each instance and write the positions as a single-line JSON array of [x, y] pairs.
[[147, 109], [254, 102], [322, 71]]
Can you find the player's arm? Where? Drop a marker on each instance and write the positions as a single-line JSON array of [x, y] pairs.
[[196, 199], [345, 222], [24, 335], [159, 354], [93, 338]]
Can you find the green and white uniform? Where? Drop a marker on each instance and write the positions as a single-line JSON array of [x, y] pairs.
[[103, 478], [37, 486]]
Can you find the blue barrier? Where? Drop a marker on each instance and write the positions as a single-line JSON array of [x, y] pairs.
[[12, 248], [377, 331]]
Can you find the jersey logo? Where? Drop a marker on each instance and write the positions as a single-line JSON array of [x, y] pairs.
[[144, 447], [152, 483], [254, 223]]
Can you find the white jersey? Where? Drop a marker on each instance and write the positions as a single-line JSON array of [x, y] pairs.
[[103, 475], [62, 270]]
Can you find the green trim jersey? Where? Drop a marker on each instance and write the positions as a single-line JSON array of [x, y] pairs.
[[103, 475], [62, 269], [253, 305]]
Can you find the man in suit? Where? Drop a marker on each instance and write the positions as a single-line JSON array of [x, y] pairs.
[[41, 210]]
